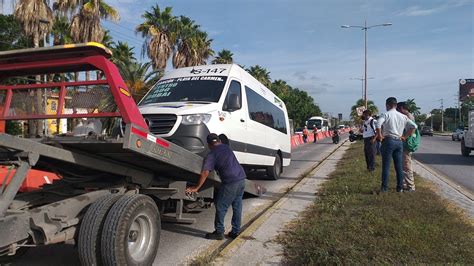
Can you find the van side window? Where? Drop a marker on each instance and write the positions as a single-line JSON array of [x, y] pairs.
[[264, 112], [234, 89]]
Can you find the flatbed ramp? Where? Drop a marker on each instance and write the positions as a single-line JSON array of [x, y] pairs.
[[135, 152]]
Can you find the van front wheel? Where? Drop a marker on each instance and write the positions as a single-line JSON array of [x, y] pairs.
[[274, 171]]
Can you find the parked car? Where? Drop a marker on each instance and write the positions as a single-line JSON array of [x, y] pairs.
[[426, 130], [457, 134]]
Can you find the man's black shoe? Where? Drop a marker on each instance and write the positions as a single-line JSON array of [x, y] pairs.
[[215, 235], [233, 235]]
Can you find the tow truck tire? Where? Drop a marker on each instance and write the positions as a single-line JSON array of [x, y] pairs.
[[90, 232], [274, 171], [465, 151], [131, 232]]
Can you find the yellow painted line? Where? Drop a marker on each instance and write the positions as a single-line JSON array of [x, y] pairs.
[[213, 249], [252, 228]]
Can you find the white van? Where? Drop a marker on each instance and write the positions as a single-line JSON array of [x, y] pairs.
[[321, 123], [189, 103]]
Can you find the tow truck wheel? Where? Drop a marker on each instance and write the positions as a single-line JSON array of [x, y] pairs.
[[91, 229], [465, 151], [131, 232], [274, 171]]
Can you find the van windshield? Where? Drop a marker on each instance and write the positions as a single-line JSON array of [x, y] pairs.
[[314, 123], [186, 89]]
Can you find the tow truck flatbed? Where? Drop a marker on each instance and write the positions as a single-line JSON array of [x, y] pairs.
[[103, 177]]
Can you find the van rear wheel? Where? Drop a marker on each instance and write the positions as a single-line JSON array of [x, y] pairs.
[[274, 171]]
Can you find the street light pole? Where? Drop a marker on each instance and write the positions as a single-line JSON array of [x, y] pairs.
[[365, 65], [362, 84], [365, 28]]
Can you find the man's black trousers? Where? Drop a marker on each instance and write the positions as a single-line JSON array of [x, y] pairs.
[[369, 150]]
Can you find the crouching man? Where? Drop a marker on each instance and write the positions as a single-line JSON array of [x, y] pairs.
[[230, 193]]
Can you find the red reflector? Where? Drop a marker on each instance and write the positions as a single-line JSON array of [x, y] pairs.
[[150, 137]]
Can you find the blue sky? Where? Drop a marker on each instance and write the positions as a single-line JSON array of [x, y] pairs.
[[422, 56]]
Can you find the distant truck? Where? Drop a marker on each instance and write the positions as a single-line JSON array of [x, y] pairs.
[[467, 141]]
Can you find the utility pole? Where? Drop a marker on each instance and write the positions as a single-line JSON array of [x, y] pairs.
[[442, 116]]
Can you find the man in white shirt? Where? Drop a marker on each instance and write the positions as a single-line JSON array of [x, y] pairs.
[[368, 134], [396, 128]]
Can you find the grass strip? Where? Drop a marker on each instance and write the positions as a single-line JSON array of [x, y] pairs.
[[351, 223]]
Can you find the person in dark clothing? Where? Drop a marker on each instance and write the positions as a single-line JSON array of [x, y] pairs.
[[222, 159], [369, 135]]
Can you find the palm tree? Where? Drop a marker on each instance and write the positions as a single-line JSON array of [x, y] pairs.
[[203, 49], [261, 74], [159, 31], [35, 17], [122, 53], [281, 89], [412, 107], [85, 25], [107, 39], [370, 106], [61, 30], [138, 77], [223, 57], [186, 42]]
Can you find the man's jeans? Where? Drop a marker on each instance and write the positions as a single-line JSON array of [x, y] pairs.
[[369, 152], [227, 195], [392, 148]]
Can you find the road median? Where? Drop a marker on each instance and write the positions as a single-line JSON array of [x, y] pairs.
[[350, 222]]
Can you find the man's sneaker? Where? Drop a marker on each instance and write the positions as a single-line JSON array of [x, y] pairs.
[[400, 190], [215, 235], [233, 235], [410, 190]]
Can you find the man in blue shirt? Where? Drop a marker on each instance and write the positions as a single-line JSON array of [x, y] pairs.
[[222, 159]]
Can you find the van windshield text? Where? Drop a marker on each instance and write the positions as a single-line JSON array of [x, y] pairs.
[[186, 89]]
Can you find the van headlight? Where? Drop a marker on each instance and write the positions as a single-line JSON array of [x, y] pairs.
[[195, 119]]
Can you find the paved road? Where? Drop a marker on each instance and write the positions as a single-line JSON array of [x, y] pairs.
[[444, 155], [180, 243]]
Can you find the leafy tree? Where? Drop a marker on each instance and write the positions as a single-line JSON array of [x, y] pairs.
[[370, 106], [223, 57], [11, 34], [261, 74]]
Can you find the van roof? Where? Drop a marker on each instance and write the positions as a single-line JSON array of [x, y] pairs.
[[227, 70]]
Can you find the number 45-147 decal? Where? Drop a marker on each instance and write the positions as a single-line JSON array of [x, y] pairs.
[[207, 71]]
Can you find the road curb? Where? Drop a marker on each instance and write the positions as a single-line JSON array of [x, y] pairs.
[[219, 248], [459, 188]]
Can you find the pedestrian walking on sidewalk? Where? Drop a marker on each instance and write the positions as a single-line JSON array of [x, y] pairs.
[[315, 134], [369, 135], [305, 134], [408, 177], [222, 159], [392, 136]]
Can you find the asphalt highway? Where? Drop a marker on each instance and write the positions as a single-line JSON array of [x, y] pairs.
[[444, 156], [179, 243]]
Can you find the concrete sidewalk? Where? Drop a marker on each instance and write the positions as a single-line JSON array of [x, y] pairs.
[[257, 245]]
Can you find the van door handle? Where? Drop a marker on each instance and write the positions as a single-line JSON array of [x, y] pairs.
[[242, 120]]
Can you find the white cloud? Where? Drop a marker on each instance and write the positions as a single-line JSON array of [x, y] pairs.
[[415, 11]]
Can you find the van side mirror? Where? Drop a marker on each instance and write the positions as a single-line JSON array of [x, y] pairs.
[[233, 103]]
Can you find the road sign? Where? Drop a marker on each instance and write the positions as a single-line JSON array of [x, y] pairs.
[[339, 116], [466, 89]]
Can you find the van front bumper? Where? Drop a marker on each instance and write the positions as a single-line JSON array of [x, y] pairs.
[[192, 138]]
